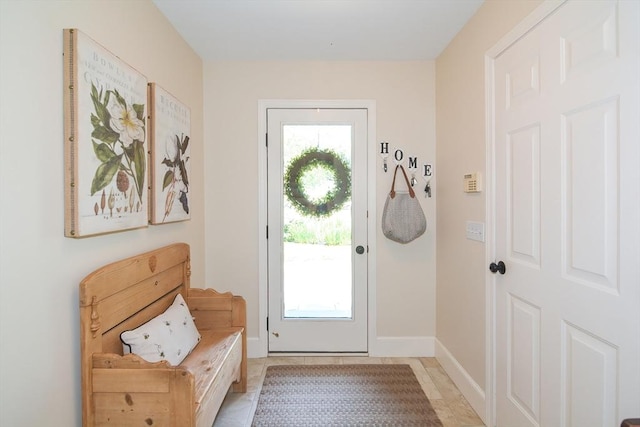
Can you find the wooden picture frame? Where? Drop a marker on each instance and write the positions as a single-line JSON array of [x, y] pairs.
[[105, 102], [170, 130]]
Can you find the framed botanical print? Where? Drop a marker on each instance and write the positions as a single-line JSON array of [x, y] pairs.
[[105, 133], [170, 130]]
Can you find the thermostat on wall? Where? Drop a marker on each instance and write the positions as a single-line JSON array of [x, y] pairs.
[[472, 183]]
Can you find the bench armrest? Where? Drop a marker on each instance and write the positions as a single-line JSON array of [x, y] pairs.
[[128, 361], [127, 388], [213, 310]]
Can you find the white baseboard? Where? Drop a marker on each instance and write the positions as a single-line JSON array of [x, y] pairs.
[[255, 348], [402, 347], [382, 347], [467, 386]]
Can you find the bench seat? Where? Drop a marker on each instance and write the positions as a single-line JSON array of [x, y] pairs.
[[215, 364]]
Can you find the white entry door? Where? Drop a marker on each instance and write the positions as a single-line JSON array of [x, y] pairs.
[[567, 216], [317, 221]]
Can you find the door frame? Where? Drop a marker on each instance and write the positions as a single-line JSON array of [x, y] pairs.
[[527, 24], [260, 347]]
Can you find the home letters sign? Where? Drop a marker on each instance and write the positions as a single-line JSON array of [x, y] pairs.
[[412, 165]]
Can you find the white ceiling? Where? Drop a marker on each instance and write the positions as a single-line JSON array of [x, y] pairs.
[[318, 29]]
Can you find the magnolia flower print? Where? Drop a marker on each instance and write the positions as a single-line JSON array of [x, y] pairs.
[[125, 122], [118, 142]]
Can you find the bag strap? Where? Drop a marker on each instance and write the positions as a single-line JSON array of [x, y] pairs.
[[393, 184]]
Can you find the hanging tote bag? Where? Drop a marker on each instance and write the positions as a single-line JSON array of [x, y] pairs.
[[402, 217]]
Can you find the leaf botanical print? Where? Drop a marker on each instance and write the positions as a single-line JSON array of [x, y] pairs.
[[176, 178]]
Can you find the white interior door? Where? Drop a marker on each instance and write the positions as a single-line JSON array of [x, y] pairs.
[[566, 219], [317, 221]]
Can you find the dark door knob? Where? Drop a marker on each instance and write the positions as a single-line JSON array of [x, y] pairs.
[[359, 249], [498, 268]]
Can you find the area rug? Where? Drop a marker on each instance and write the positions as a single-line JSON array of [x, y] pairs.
[[341, 396]]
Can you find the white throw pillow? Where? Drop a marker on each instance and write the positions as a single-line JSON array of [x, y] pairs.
[[169, 336]]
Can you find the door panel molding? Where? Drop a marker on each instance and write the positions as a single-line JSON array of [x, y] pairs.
[[588, 172], [581, 348]]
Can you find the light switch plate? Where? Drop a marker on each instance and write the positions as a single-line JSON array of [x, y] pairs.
[[475, 231]]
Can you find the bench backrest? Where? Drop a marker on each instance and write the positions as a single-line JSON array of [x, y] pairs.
[[127, 293]]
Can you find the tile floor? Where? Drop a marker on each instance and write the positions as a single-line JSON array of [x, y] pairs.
[[452, 408]]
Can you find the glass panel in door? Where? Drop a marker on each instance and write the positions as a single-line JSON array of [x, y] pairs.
[[317, 273]]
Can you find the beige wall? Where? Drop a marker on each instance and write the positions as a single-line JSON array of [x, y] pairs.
[[39, 268], [404, 96], [460, 125]]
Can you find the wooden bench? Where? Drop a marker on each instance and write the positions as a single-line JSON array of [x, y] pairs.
[[126, 390]]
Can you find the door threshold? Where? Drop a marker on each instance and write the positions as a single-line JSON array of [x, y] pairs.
[[316, 354]]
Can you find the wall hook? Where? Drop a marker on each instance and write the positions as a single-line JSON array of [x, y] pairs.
[[384, 153], [427, 189]]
